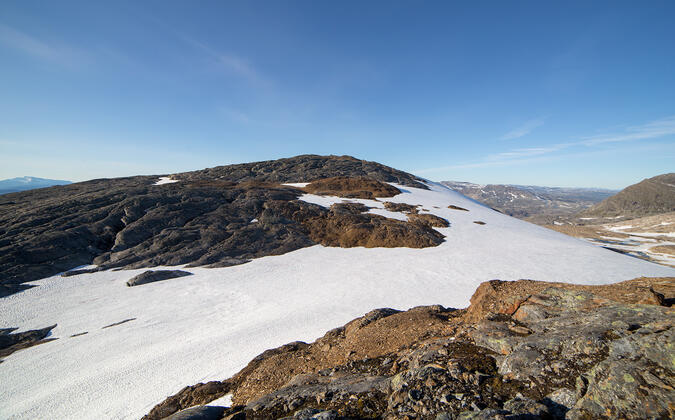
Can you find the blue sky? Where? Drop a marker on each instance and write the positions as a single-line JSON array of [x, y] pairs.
[[573, 94]]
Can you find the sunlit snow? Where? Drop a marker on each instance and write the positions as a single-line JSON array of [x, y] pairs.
[[209, 325]]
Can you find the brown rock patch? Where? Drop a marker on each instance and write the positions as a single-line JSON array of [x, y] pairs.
[[506, 297], [352, 187], [343, 227], [401, 207], [430, 220], [370, 231], [479, 222], [452, 206]]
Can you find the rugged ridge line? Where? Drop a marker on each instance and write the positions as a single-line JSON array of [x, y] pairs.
[[215, 217]]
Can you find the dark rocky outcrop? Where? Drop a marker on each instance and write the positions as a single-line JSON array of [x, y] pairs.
[[350, 229], [11, 342], [205, 219], [351, 187], [522, 350], [156, 275], [199, 413]]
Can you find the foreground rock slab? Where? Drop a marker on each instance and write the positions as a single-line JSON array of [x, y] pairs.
[[522, 350]]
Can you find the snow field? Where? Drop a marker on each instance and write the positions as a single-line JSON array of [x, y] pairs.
[[210, 325]]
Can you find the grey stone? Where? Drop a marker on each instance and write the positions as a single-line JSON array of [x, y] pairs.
[[151, 276], [198, 413]]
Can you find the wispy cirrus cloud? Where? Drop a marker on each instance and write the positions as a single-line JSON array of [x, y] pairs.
[[231, 63], [47, 51], [523, 130], [236, 115], [652, 130], [657, 128]]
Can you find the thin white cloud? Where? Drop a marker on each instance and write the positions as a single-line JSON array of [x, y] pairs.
[[523, 130], [36, 48], [654, 129], [232, 63], [236, 115], [651, 130]]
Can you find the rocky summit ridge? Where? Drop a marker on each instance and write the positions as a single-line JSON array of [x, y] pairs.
[[522, 350], [214, 217]]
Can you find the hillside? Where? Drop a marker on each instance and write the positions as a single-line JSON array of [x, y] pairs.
[[200, 218], [25, 183], [541, 205], [651, 196], [243, 258]]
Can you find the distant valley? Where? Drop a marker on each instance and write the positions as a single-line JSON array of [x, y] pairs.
[[540, 205]]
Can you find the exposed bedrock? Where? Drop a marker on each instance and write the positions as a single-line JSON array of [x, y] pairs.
[[216, 218], [522, 350]]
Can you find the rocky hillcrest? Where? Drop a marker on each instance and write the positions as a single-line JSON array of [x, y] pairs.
[[201, 218], [649, 197]]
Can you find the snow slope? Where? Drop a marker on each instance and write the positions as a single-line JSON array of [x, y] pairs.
[[209, 325]]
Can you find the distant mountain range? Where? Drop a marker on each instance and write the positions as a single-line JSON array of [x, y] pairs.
[[25, 183], [649, 197], [542, 205]]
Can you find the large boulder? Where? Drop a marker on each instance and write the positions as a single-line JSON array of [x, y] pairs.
[[151, 276]]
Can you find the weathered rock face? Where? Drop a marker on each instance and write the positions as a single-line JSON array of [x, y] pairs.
[[523, 350], [132, 223], [208, 218], [151, 276]]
